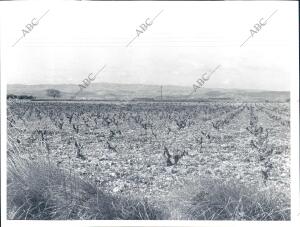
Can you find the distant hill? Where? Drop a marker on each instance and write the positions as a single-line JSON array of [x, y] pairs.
[[111, 91]]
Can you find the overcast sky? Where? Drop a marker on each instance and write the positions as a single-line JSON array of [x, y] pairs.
[[186, 40]]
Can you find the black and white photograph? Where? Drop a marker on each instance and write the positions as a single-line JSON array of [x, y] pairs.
[[149, 113]]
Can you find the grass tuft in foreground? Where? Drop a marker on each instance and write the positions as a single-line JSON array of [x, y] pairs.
[[214, 199], [39, 190]]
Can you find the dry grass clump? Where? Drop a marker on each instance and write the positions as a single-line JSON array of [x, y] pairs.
[[214, 199], [39, 190]]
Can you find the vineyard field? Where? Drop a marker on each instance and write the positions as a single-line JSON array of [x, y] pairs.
[[156, 149]]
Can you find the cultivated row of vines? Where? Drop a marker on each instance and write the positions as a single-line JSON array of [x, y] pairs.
[[150, 147]]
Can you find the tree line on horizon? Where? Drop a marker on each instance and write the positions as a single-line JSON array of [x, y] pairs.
[[50, 92]]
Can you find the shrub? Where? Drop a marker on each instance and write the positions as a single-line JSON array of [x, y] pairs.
[[39, 190], [11, 96], [53, 93], [214, 199]]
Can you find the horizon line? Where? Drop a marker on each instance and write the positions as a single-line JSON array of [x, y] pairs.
[[182, 86]]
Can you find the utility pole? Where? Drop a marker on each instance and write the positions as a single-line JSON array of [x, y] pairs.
[[161, 87]]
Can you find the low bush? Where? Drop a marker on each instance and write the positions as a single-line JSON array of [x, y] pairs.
[[214, 199], [39, 190]]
